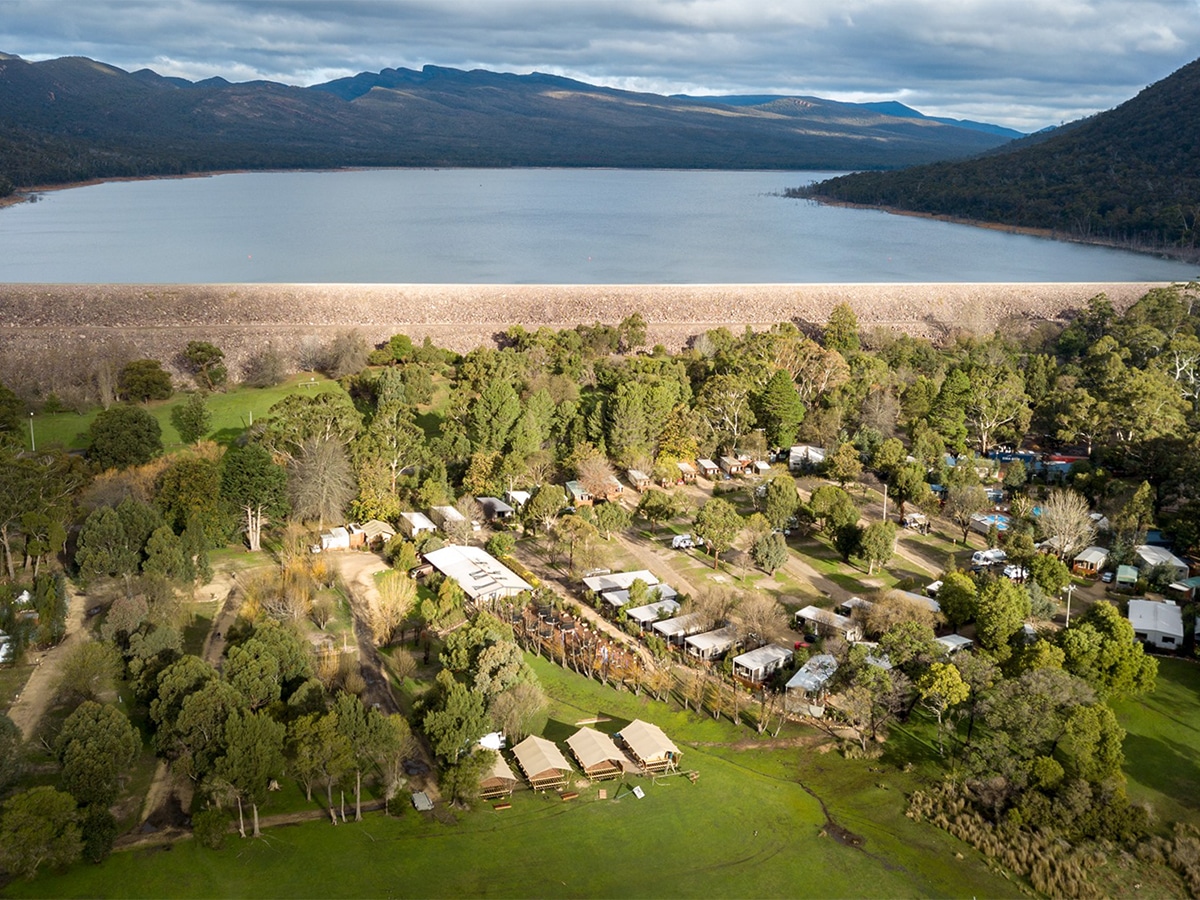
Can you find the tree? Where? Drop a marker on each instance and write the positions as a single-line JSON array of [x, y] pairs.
[[11, 763], [1000, 609], [780, 500], [254, 672], [940, 689], [1101, 649], [297, 418], [315, 748], [123, 436], [543, 508], [833, 508], [878, 544], [253, 757], [760, 619], [493, 415], [144, 379], [963, 501], [770, 552], [207, 362], [718, 525], [1049, 572], [724, 403], [397, 597], [95, 747], [89, 671], [996, 406], [956, 597], [104, 548], [515, 710], [841, 330], [612, 517], [1066, 522], [657, 506], [844, 464], [39, 827], [192, 418], [779, 409], [255, 485], [321, 483], [457, 719]]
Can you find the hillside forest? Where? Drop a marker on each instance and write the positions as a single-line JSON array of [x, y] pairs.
[[1028, 749]]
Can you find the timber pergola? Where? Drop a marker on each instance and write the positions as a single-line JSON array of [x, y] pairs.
[[544, 766]]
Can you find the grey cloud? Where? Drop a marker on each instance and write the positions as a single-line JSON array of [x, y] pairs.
[[1025, 63]]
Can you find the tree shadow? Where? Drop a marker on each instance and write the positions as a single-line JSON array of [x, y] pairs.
[[1165, 766]]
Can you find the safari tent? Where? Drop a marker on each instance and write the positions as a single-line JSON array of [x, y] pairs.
[[498, 781], [544, 766], [598, 755], [650, 747]]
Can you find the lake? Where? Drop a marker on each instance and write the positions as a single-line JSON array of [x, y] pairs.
[[524, 226]]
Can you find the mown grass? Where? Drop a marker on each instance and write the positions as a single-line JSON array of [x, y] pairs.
[[1163, 732], [747, 827], [233, 411]]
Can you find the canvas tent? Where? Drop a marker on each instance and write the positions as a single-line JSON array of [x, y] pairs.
[[650, 747], [542, 763], [498, 781], [599, 756]]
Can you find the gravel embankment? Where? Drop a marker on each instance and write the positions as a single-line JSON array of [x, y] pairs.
[[158, 320]]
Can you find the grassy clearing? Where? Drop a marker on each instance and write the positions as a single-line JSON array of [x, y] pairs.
[[1163, 732], [746, 828], [232, 412]]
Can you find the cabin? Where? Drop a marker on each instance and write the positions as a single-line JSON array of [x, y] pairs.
[[542, 763], [806, 691], [954, 643], [377, 533], [498, 781], [929, 603], [598, 755], [577, 495], [1150, 556], [447, 517], [1090, 561], [517, 499], [823, 623], [674, 630], [652, 612], [483, 578], [1159, 624], [731, 466], [805, 458], [758, 665], [649, 746], [848, 607], [711, 644], [618, 581], [415, 523], [687, 472], [495, 509], [611, 491], [335, 539], [619, 598], [638, 479], [708, 469]]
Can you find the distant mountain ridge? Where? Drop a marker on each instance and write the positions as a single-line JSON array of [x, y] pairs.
[[887, 107], [1129, 176], [73, 119]]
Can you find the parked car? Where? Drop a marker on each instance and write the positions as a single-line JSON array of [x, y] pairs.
[[682, 542], [1016, 573], [1108, 576]]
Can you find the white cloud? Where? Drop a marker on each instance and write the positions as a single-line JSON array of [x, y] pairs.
[[1026, 63]]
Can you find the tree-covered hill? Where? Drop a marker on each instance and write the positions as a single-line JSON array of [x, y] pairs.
[[72, 119], [1130, 176]]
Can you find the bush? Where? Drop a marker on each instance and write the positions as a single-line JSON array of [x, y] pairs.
[[210, 827]]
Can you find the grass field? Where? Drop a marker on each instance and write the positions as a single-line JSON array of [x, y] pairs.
[[1163, 732], [746, 828], [232, 412]]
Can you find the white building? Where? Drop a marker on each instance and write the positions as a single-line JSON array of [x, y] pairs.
[[1090, 561], [825, 623], [619, 581], [1149, 556], [652, 612], [805, 691], [757, 665], [1157, 624], [711, 644], [481, 576], [954, 643], [674, 630], [415, 523]]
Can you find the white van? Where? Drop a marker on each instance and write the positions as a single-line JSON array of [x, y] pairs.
[[682, 542]]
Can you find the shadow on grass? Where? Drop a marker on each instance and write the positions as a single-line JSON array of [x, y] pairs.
[[1165, 766], [226, 435]]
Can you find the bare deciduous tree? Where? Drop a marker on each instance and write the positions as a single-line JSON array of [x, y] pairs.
[[322, 482], [1066, 522]]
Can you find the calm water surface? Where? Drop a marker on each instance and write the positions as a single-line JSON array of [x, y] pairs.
[[537, 226]]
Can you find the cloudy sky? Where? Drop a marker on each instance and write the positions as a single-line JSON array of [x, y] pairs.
[[1022, 63]]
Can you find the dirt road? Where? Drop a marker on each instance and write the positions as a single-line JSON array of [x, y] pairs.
[[39, 691]]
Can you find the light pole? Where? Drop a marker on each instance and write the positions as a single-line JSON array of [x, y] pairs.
[[1070, 589], [32, 442]]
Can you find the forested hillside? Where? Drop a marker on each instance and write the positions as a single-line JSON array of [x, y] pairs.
[[1129, 176], [72, 119]]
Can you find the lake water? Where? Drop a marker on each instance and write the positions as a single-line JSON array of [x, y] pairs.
[[535, 226]]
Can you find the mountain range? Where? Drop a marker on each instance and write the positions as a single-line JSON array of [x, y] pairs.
[[1129, 176], [73, 119]]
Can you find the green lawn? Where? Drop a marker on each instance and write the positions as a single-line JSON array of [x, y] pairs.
[[747, 827], [1163, 732], [232, 412]]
